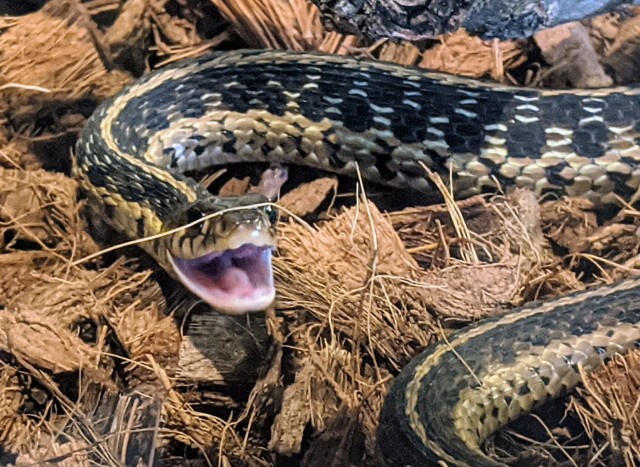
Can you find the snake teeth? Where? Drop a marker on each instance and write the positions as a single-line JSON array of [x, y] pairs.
[[233, 281]]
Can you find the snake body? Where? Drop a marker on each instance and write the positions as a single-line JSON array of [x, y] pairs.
[[387, 122], [455, 394]]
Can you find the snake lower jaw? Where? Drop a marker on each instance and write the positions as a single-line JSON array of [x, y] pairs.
[[234, 281]]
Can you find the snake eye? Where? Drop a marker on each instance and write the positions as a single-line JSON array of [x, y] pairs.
[[194, 214], [272, 214]]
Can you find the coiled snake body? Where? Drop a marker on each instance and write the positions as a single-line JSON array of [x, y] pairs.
[[343, 114]]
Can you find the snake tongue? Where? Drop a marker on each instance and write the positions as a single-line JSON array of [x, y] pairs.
[[233, 281]]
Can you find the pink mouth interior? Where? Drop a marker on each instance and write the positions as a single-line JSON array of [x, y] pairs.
[[234, 281]]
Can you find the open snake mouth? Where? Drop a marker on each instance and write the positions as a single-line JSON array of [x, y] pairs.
[[233, 281]]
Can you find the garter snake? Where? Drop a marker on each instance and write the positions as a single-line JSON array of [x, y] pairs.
[[345, 114]]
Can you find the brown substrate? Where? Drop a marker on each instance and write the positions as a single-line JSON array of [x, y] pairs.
[[94, 368]]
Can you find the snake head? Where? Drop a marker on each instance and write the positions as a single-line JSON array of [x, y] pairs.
[[225, 259]]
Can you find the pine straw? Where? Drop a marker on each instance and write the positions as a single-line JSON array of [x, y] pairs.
[[371, 302], [66, 67], [296, 25], [47, 302], [611, 406], [360, 292], [293, 25]]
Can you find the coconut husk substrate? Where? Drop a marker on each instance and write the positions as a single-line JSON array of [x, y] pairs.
[[105, 360]]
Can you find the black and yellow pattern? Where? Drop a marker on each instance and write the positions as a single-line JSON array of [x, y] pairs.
[[450, 398], [343, 115], [332, 112]]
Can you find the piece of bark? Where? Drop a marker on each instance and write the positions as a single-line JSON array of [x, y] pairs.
[[509, 19], [568, 49], [415, 20], [622, 60], [221, 349]]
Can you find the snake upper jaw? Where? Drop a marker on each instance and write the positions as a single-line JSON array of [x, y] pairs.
[[233, 281]]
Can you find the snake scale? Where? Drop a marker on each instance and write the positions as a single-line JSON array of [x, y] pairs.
[[343, 115]]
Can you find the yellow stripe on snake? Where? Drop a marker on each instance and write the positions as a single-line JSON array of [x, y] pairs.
[[342, 115]]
